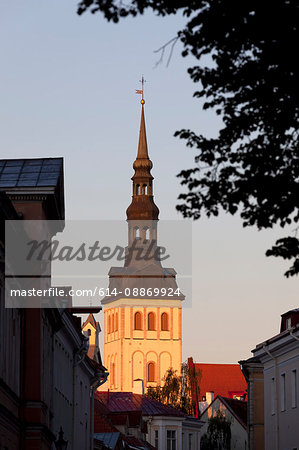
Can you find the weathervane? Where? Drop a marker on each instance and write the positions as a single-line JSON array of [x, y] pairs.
[[140, 91]]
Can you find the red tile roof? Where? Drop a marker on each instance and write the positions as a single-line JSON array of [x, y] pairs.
[[224, 379], [128, 401]]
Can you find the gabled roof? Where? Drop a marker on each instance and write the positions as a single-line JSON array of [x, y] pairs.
[[238, 409], [128, 401], [223, 379], [90, 319]]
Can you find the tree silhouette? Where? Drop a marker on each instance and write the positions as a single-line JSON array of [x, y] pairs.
[[181, 392], [218, 436], [252, 166]]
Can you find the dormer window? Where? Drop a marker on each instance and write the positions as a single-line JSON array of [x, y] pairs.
[[288, 323]]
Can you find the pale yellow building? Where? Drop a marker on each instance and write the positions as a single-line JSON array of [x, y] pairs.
[[142, 336]]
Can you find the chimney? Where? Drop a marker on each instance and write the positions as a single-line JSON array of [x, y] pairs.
[[209, 397]]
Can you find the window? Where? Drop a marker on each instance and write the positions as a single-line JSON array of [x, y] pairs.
[[147, 233], [138, 321], [112, 323], [294, 388], [164, 322], [190, 442], [151, 372], [157, 439], [112, 374], [109, 324], [138, 189], [171, 440], [151, 321], [144, 189], [283, 392], [137, 233], [288, 323], [116, 322]]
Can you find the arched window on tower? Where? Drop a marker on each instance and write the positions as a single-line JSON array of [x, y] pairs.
[[151, 321], [137, 189], [137, 233], [151, 369], [144, 189], [147, 233], [138, 321], [164, 322], [112, 374]]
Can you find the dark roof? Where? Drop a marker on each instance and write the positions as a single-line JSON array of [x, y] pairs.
[[295, 310], [137, 443], [118, 418], [110, 440], [128, 401], [237, 407], [133, 418], [98, 367], [30, 172], [102, 424]]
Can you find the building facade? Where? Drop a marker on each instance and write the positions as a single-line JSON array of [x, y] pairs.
[[253, 371], [278, 400], [47, 380], [143, 327]]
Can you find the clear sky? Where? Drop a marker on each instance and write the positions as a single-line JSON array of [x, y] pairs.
[[67, 88]]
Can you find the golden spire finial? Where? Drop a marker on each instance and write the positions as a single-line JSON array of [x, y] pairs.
[[140, 91]]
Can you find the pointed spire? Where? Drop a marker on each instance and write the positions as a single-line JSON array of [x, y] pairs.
[[142, 144], [142, 206], [142, 164]]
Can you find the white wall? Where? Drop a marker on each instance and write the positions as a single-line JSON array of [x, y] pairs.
[[275, 413], [71, 396], [239, 438], [180, 425]]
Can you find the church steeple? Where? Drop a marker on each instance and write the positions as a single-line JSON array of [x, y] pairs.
[[143, 307], [142, 206]]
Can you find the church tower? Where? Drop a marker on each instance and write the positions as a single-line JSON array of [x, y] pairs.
[[143, 336]]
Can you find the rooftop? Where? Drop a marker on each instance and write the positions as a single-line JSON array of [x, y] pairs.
[[237, 407], [30, 172], [128, 401], [226, 380]]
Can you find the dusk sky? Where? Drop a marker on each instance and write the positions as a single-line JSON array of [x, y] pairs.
[[67, 87]]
